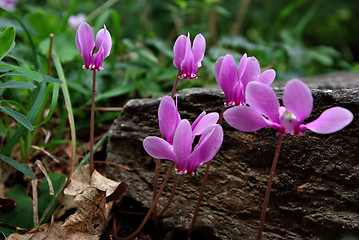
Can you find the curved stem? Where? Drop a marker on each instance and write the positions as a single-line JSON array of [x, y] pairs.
[[152, 207], [164, 209], [199, 199], [92, 122], [175, 86], [155, 184], [269, 187], [221, 115]]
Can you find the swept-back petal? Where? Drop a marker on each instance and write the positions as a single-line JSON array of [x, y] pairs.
[[244, 119], [242, 65], [198, 49], [331, 120], [217, 69], [188, 68], [267, 77], [251, 71], [297, 99], [179, 50], [104, 41], [263, 99], [227, 76], [158, 148], [204, 122], [182, 142], [207, 147], [85, 42], [168, 118]]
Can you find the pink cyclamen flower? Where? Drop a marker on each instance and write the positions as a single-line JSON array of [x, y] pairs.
[[264, 111], [181, 151], [169, 118], [234, 82], [8, 4], [187, 60], [93, 54], [75, 20]]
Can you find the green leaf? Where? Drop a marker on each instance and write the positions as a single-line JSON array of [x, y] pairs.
[[18, 117], [21, 215], [36, 107], [27, 72], [17, 84], [7, 39], [24, 168]]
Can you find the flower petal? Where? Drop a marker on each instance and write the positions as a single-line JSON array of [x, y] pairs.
[[242, 65], [158, 148], [227, 76], [244, 119], [179, 50], [85, 42], [198, 49], [104, 41], [168, 118], [207, 147], [263, 99], [182, 142], [297, 99], [251, 72], [267, 77], [331, 120], [205, 121]]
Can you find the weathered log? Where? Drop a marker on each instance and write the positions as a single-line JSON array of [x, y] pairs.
[[315, 194]]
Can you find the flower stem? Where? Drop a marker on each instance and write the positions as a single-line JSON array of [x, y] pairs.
[[50, 53], [221, 116], [152, 207], [164, 209], [200, 196], [92, 122], [269, 187], [175, 86]]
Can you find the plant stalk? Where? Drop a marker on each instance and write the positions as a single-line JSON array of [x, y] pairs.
[[152, 207], [269, 187], [92, 124], [204, 181], [175, 86], [164, 209]]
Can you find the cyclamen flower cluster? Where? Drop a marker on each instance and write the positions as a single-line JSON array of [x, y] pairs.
[[180, 134], [93, 53]]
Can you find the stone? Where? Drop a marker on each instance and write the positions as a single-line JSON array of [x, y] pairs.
[[315, 193]]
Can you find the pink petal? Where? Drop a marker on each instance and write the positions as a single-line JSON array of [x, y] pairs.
[[244, 118], [168, 118], [207, 147], [194, 124], [85, 42], [98, 60], [251, 72], [331, 120], [182, 142], [227, 76], [103, 40], [187, 66], [297, 99], [242, 65], [158, 148], [217, 69], [267, 77], [198, 49], [263, 99], [204, 122], [179, 50]]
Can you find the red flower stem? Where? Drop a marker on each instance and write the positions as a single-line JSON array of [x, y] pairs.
[[200, 196], [269, 187], [152, 207], [92, 123], [175, 86], [155, 187], [221, 116], [175, 181]]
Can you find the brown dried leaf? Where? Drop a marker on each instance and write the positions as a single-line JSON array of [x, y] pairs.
[[46, 231]]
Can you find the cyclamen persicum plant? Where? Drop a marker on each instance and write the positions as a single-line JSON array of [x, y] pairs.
[[94, 53], [264, 110]]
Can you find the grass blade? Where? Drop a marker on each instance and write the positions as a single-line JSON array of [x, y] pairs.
[[24, 168], [19, 117]]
